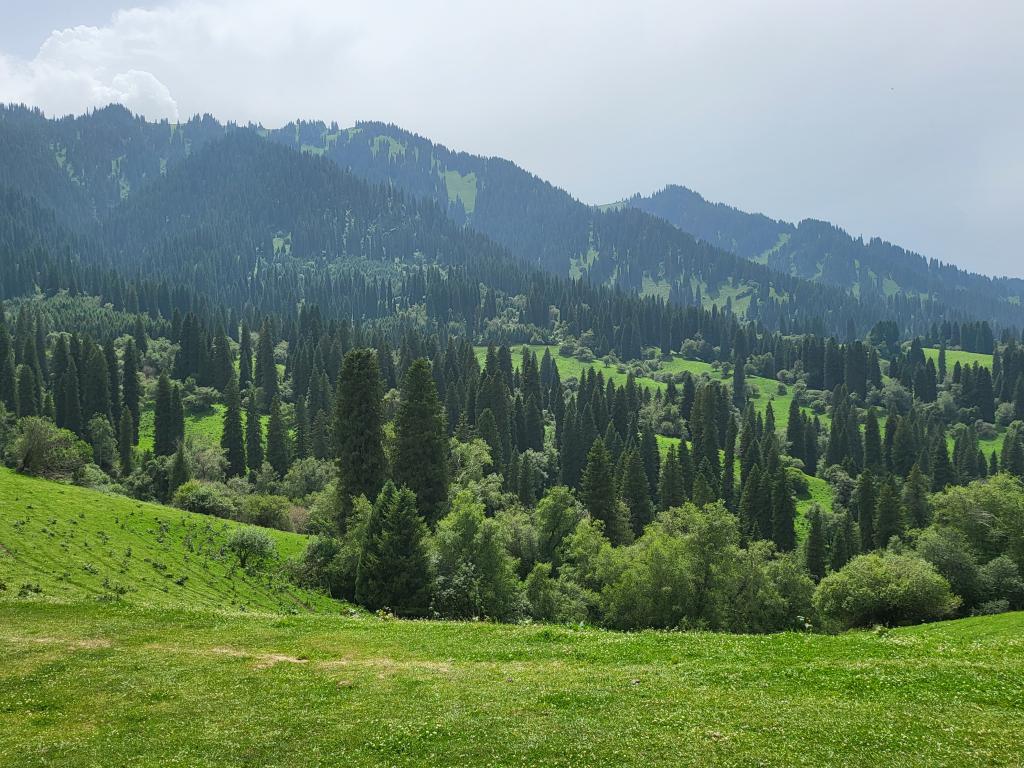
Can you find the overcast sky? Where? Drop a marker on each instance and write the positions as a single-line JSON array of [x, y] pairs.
[[902, 120]]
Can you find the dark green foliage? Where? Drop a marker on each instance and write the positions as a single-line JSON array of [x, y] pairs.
[[866, 499], [421, 442], [125, 441], [393, 570], [232, 439], [889, 515], [598, 494], [164, 418], [814, 555], [277, 440], [359, 427], [635, 492]]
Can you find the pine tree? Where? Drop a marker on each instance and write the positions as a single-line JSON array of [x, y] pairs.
[[783, 513], [597, 492], [114, 379], [277, 439], [8, 375], [253, 433], [844, 543], [421, 442], [125, 442], [71, 404], [265, 374], [232, 439], [635, 492], [165, 431], [28, 391], [652, 459], [359, 429], [941, 468], [915, 499], [888, 515], [245, 358], [179, 473], [670, 487], [751, 501], [815, 549], [867, 501], [130, 385], [872, 443], [393, 568]]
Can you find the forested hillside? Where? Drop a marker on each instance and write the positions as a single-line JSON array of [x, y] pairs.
[[824, 253], [242, 324]]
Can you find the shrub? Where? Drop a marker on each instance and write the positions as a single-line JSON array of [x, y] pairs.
[[252, 546], [885, 589], [39, 447], [306, 477], [267, 511], [206, 498]]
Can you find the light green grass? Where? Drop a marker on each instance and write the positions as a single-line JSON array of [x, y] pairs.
[[205, 427], [91, 685], [954, 356], [462, 188], [79, 544]]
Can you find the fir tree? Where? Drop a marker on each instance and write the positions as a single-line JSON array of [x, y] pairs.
[[165, 431], [232, 439], [872, 443], [359, 429], [598, 495], [867, 502], [179, 472], [277, 439], [126, 439], [815, 547], [670, 488], [635, 492], [783, 513], [393, 567], [889, 515], [130, 385], [253, 433], [421, 442]]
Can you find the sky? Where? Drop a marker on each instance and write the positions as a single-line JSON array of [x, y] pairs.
[[902, 120]]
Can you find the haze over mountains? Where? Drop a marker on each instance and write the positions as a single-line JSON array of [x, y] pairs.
[[116, 179]]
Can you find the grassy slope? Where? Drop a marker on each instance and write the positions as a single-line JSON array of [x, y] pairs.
[[954, 356], [111, 685], [80, 544]]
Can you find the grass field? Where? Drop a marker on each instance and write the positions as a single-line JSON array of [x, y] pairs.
[[954, 356], [86, 685], [77, 544]]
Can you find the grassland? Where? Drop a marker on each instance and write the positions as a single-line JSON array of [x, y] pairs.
[[86, 685], [954, 356], [72, 544]]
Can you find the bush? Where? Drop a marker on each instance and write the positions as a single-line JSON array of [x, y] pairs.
[[252, 546], [41, 448], [267, 511], [887, 589], [306, 477], [207, 498]]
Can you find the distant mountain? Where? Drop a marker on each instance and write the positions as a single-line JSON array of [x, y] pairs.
[[92, 171], [822, 252]]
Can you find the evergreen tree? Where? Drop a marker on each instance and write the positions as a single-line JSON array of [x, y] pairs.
[[8, 375], [421, 441], [179, 472], [359, 428], [670, 488], [245, 358], [872, 443], [71, 404], [126, 439], [815, 548], [635, 492], [889, 515], [393, 567], [597, 492], [844, 543], [941, 468], [915, 499], [165, 432], [232, 439], [652, 460], [28, 391], [253, 433], [783, 513], [277, 439], [130, 392], [866, 495], [265, 374], [751, 501]]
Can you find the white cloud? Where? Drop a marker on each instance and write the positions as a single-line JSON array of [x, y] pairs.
[[895, 119]]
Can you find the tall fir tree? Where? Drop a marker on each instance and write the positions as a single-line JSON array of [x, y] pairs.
[[359, 429], [421, 441], [165, 431], [815, 546], [598, 494], [232, 438], [277, 439]]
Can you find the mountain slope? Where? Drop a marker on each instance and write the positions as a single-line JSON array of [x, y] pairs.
[[821, 252], [76, 544]]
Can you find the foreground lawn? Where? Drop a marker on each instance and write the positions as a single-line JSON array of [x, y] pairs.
[[113, 685]]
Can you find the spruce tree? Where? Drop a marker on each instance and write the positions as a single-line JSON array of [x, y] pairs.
[[751, 501], [232, 439], [179, 472], [165, 431], [421, 441], [393, 567], [253, 433], [938, 462], [8, 375], [872, 443], [245, 358], [635, 492], [844, 543], [915, 499], [815, 548], [277, 439], [889, 514], [28, 391], [359, 429], [130, 385], [783, 513], [125, 441], [867, 501], [597, 492], [670, 487]]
